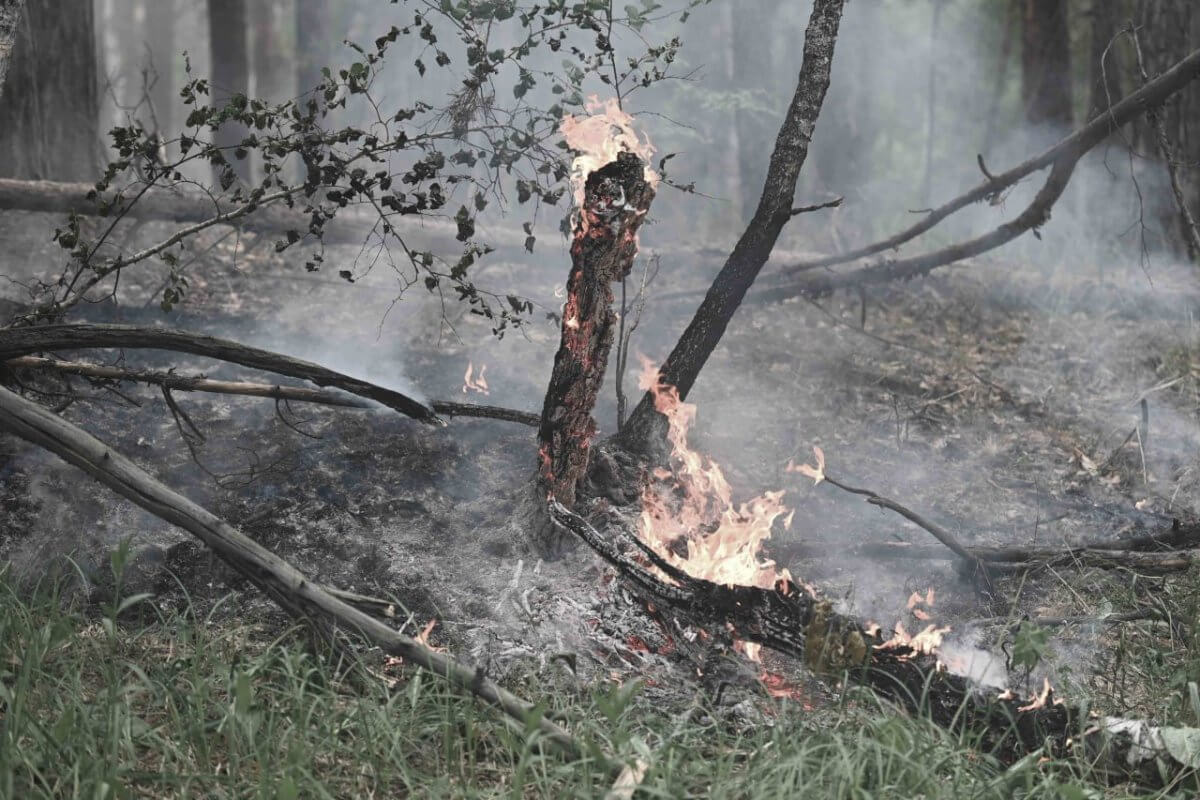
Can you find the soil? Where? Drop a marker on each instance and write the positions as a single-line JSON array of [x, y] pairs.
[[993, 397]]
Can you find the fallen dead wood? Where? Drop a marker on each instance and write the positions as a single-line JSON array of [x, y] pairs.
[[1151, 95], [16, 342], [798, 624], [301, 394], [286, 585], [754, 247], [1007, 559]]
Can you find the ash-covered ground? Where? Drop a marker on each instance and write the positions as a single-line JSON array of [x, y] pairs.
[[993, 398]]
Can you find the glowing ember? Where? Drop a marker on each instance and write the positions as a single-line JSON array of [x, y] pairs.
[[924, 643], [817, 473], [598, 138], [475, 383], [422, 638], [778, 686], [1041, 699], [701, 500]]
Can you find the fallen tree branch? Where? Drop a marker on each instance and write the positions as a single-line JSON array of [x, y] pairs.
[[293, 590], [1033, 217], [800, 625], [301, 394], [16, 342], [1153, 94]]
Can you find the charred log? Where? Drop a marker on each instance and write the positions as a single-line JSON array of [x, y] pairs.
[[794, 622], [616, 199]]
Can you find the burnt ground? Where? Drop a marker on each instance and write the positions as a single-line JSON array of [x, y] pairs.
[[993, 398]]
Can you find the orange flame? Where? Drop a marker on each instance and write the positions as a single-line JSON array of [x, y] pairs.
[[701, 500], [475, 383], [598, 137], [924, 643], [1042, 699]]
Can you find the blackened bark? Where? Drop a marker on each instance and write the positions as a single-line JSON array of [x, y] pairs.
[[1046, 62], [49, 110], [754, 247], [616, 199], [227, 28]]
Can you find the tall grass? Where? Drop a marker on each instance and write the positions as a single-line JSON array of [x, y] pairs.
[[135, 701]]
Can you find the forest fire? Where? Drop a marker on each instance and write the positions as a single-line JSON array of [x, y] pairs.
[[721, 541], [475, 382], [599, 138]]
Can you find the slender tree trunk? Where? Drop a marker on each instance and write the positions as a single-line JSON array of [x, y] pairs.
[[160, 48], [49, 112], [314, 25], [271, 79], [754, 247], [227, 23], [1046, 62]]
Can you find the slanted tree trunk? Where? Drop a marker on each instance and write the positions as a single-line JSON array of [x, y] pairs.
[[752, 250], [227, 28], [49, 111], [1046, 62], [616, 199]]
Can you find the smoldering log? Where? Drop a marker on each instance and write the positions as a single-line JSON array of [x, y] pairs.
[[617, 197], [794, 622]]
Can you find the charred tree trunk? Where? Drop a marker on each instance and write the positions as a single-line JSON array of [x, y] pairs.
[[754, 247], [616, 199], [227, 27], [49, 111], [1046, 62]]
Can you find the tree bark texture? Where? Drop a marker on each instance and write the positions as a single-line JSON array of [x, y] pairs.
[[1046, 62], [227, 29], [11, 12], [616, 199], [754, 247], [50, 106]]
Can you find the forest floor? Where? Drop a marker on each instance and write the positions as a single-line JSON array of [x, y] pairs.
[[995, 398]]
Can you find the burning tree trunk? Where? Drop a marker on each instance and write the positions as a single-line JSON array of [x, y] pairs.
[[616, 198], [754, 247]]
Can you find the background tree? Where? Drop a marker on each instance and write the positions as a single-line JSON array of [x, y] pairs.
[[227, 32], [49, 111], [1046, 62]]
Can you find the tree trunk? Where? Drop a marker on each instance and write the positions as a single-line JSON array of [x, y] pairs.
[[49, 112], [10, 18], [313, 45], [160, 44], [754, 247], [616, 199], [271, 79], [1046, 62], [230, 72]]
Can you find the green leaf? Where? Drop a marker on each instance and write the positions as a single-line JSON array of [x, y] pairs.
[[1029, 645], [1183, 744]]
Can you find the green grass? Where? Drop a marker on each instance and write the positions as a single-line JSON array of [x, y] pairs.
[[139, 702]]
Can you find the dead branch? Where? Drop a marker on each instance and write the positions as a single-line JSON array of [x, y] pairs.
[[16, 342], [301, 394], [1032, 218], [799, 625], [286, 585], [754, 247], [1151, 95]]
